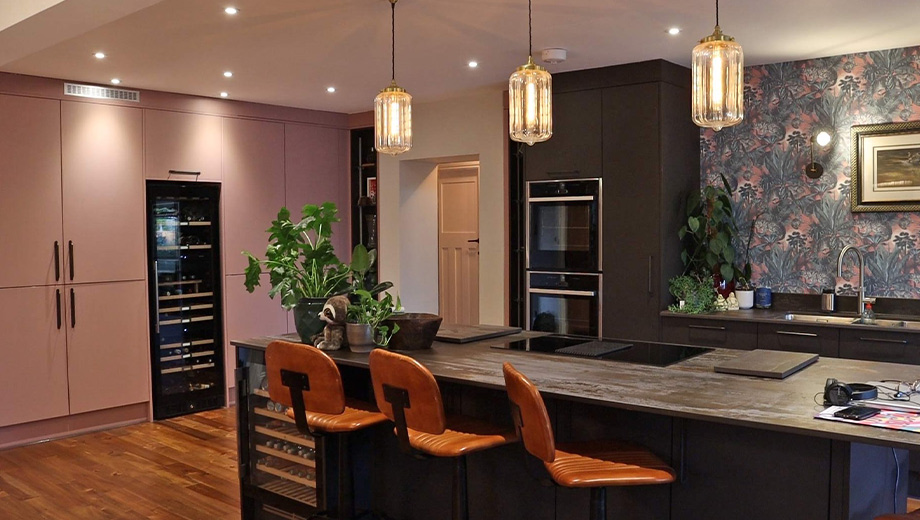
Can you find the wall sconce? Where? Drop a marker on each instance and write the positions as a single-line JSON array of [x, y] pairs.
[[814, 170]]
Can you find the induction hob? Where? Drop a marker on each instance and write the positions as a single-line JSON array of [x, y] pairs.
[[639, 352]]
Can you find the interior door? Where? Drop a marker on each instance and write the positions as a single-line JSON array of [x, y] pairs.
[[107, 345], [103, 180], [458, 243], [33, 374], [30, 191]]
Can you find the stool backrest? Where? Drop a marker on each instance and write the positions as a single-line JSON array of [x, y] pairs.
[[325, 393], [425, 409], [531, 418]]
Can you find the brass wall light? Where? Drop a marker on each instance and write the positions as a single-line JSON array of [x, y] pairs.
[[718, 80], [530, 97], [813, 169], [393, 109]]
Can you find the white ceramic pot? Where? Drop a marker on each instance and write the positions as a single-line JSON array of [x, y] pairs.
[[745, 298]]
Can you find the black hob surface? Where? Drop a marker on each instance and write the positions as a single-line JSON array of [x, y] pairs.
[[640, 352]]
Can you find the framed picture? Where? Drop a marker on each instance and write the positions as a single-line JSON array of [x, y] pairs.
[[886, 167], [372, 188]]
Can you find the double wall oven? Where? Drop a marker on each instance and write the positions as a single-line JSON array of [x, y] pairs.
[[564, 256]]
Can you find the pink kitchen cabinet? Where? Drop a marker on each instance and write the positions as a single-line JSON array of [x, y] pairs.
[[103, 192], [183, 144], [30, 191], [250, 314], [253, 187], [107, 345], [33, 374]]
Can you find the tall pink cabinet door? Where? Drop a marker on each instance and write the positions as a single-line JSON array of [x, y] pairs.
[[33, 374], [183, 144], [30, 190], [250, 315], [103, 192], [107, 345], [316, 171], [253, 188]]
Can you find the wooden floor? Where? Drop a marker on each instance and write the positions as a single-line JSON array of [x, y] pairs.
[[177, 469]]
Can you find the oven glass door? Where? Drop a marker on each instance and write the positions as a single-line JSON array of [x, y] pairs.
[[563, 232], [567, 308]]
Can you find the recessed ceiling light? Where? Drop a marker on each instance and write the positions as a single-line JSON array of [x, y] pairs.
[[115, 81], [473, 64], [231, 10], [99, 55], [228, 74], [224, 94], [674, 31], [330, 89]]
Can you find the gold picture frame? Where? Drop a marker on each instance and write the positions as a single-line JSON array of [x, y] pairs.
[[885, 162]]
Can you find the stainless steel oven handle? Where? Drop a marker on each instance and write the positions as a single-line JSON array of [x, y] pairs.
[[563, 292], [580, 198]]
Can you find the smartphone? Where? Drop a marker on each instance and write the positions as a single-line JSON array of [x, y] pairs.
[[856, 413]]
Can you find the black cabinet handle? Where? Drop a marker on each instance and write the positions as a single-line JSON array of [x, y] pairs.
[[886, 340], [802, 334], [184, 172], [57, 262], [70, 252], [650, 274], [73, 309], [474, 241], [705, 327], [58, 307]]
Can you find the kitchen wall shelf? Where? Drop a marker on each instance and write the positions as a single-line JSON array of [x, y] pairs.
[[364, 219]]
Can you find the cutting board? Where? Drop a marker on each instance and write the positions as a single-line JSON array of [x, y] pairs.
[[767, 363], [453, 333]]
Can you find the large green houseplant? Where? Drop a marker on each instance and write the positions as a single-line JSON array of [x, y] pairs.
[[708, 235], [302, 267]]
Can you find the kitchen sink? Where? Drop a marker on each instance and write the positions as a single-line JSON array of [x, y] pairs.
[[814, 318]]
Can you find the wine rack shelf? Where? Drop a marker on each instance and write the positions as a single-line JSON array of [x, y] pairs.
[[287, 434], [194, 223], [287, 456], [179, 321], [189, 295], [283, 473], [274, 415], [187, 368], [188, 356], [307, 495], [196, 343], [183, 248], [203, 306]]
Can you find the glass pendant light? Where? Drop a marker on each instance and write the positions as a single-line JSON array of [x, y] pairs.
[[393, 109], [530, 98], [718, 80]]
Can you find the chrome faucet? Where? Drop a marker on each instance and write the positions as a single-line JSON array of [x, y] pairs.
[[862, 281]]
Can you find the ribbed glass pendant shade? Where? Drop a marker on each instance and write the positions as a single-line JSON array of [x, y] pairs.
[[530, 104], [718, 80], [393, 120]]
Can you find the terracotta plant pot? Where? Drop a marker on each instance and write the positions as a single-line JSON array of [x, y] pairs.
[[306, 318], [416, 330], [360, 337]]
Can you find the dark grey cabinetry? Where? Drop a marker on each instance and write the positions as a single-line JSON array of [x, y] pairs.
[[797, 338], [871, 345], [710, 333], [574, 151]]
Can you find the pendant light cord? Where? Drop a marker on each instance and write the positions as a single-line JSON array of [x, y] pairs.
[[530, 28], [717, 12], [393, 34]]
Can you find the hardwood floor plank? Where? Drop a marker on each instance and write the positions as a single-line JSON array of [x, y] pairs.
[[179, 469]]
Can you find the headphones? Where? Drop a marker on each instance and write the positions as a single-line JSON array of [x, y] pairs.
[[839, 394]]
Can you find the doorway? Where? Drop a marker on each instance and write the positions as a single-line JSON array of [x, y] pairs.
[[458, 242]]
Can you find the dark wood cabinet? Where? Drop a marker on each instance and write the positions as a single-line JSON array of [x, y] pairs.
[[872, 345], [574, 150], [737, 335], [797, 338]]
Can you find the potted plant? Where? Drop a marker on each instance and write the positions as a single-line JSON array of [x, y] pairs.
[[694, 295], [708, 234], [364, 326], [301, 264]]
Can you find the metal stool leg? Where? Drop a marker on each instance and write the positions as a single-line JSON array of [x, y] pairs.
[[460, 508], [598, 503]]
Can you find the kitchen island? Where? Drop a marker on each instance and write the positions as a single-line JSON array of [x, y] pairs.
[[743, 447]]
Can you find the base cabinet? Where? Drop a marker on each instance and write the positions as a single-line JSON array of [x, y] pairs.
[[710, 333]]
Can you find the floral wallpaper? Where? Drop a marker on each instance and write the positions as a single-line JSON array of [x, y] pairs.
[[801, 223]]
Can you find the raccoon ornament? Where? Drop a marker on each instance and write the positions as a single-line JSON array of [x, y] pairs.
[[333, 335]]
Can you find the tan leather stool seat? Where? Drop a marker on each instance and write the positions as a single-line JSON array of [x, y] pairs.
[[909, 516], [462, 435], [607, 463], [357, 416]]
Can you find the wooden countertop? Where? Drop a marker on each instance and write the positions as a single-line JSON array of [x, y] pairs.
[[689, 389]]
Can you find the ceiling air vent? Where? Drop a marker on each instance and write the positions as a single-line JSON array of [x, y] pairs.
[[92, 91]]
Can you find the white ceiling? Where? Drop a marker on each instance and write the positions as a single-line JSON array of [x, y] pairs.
[[286, 52]]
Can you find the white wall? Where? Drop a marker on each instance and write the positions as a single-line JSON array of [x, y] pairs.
[[468, 128]]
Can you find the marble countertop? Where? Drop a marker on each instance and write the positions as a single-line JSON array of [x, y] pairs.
[[689, 389]]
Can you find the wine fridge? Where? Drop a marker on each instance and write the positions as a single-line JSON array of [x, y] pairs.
[[187, 354]]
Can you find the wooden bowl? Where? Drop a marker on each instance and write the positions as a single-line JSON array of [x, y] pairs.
[[416, 330]]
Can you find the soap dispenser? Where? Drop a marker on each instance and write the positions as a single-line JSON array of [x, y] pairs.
[[868, 315]]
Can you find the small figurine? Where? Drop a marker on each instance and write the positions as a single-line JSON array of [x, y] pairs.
[[721, 304], [732, 302], [333, 335]]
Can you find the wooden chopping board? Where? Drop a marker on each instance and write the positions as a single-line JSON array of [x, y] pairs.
[[767, 363], [453, 333]]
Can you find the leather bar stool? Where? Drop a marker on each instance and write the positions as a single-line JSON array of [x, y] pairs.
[[593, 464], [908, 516], [408, 394], [308, 381]]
